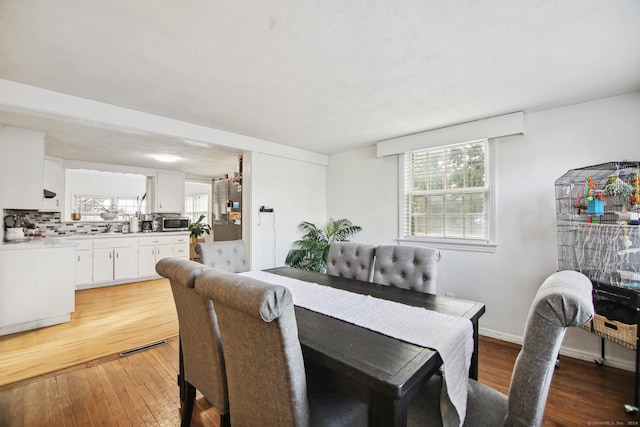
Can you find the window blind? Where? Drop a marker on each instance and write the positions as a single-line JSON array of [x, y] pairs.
[[446, 192]]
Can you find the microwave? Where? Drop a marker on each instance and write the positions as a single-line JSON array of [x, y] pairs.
[[173, 224]]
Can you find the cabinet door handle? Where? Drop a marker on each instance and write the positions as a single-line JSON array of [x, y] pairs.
[[110, 255], [153, 252], [78, 258]]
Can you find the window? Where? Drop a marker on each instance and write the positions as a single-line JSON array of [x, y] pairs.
[[90, 207], [196, 205], [447, 193]]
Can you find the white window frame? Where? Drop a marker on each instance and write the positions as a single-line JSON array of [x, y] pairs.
[[194, 214], [473, 245]]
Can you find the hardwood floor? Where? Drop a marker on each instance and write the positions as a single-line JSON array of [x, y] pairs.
[[140, 389], [107, 321]]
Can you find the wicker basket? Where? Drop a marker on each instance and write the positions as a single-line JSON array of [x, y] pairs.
[[618, 332]]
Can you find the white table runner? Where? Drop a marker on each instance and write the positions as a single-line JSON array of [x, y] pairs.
[[450, 336]]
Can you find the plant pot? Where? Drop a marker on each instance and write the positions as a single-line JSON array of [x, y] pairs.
[[75, 216]]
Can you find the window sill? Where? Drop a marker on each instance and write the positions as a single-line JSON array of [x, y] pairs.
[[454, 245]]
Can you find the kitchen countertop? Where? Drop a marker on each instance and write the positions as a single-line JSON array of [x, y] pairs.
[[37, 243], [67, 240], [116, 234]]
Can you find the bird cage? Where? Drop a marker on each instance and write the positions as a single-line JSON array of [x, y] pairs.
[[598, 208]]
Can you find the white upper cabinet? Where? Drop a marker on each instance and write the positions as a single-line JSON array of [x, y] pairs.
[[169, 192], [54, 182], [22, 167]]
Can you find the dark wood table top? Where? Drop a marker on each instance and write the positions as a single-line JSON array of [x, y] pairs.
[[368, 360]]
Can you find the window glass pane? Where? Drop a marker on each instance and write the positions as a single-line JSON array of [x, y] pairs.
[[446, 192], [90, 207]]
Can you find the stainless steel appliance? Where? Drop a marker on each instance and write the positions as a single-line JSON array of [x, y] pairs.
[[168, 223]]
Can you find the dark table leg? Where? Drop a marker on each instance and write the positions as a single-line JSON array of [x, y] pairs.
[[386, 412]]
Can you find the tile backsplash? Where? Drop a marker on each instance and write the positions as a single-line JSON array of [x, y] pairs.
[[49, 224]]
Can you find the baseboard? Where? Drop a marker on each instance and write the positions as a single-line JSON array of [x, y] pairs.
[[614, 362]]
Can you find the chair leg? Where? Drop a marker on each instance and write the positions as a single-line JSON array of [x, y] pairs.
[[181, 381], [187, 409], [225, 420]]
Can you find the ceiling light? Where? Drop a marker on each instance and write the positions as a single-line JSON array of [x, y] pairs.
[[167, 158]]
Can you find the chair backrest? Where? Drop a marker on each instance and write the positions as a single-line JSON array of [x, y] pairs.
[[351, 260], [203, 359], [265, 369], [407, 267], [564, 299], [228, 255]]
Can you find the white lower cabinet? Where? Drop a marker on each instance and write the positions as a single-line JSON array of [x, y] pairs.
[[153, 249], [103, 261], [36, 287], [84, 263], [114, 259]]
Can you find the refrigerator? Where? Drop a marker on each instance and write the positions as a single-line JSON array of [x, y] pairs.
[[227, 209]]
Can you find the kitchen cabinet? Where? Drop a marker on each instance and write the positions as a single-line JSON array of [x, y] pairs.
[[36, 287], [114, 259], [53, 180], [22, 168], [153, 249], [169, 192], [84, 263]]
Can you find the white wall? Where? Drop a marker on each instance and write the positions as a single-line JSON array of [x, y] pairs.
[[296, 190], [365, 189]]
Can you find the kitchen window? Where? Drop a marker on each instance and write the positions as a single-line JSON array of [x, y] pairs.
[[196, 205], [90, 207], [447, 194]]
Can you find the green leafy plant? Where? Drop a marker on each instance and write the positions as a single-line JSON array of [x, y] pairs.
[[312, 250], [198, 228]]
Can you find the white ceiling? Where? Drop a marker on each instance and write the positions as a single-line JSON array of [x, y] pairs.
[[325, 76]]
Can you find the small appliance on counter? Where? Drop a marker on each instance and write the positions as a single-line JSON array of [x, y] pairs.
[[146, 225], [173, 223]]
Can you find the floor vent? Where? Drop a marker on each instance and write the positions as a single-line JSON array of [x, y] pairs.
[[143, 348]]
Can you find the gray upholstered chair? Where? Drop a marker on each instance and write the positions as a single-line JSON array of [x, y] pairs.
[[202, 360], [351, 260], [563, 300], [407, 267], [229, 255], [265, 369]]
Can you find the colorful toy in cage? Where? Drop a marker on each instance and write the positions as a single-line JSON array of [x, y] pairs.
[[617, 187], [588, 191]]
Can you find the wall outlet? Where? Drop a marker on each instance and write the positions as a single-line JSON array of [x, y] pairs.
[[263, 209], [449, 294]]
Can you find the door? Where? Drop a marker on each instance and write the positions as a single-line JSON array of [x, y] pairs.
[[84, 269], [147, 261], [102, 265], [124, 263]]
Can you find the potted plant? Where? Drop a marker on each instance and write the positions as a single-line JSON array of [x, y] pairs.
[[311, 252], [197, 229]]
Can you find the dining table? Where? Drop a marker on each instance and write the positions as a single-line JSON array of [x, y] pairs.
[[380, 370]]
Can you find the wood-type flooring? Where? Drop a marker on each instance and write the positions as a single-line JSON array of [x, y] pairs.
[[72, 375]]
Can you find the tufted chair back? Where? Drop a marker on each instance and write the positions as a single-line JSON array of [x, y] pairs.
[[350, 260], [407, 267], [230, 256], [263, 358], [202, 361], [563, 300]]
